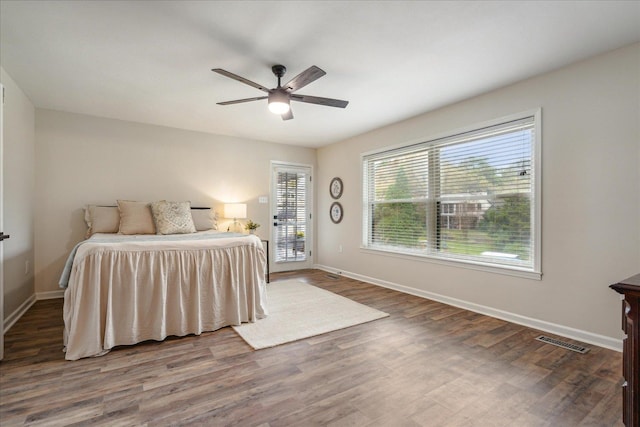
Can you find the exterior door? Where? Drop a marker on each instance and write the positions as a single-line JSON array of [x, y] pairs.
[[291, 231]]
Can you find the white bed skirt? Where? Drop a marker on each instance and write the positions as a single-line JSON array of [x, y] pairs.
[[125, 293]]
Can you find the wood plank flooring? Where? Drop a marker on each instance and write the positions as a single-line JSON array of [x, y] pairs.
[[428, 364]]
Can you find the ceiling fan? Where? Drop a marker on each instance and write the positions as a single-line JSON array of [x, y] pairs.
[[280, 97]]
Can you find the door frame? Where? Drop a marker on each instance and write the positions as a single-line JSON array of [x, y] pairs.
[[1, 222], [309, 231]]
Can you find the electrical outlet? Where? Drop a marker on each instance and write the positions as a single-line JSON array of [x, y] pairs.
[[340, 248], [26, 267], [263, 199]]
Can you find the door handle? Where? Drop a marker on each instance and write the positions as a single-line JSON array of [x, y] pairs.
[[4, 236]]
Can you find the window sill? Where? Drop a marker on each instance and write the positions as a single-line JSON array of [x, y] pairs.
[[470, 265]]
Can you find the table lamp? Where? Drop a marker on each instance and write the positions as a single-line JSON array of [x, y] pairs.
[[236, 211]]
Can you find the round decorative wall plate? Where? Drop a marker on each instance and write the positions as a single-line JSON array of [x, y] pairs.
[[336, 187], [336, 212]]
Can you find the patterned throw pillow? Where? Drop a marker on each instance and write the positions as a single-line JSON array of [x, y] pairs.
[[172, 217]]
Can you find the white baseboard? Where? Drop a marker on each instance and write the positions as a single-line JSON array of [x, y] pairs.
[[18, 313], [564, 331], [26, 305], [50, 295]]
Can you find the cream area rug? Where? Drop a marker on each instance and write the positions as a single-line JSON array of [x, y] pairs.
[[298, 310]]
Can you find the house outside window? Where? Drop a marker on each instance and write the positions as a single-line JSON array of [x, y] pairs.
[[471, 199]]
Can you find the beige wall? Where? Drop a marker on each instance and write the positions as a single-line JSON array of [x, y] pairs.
[[591, 191], [590, 200], [83, 160], [18, 162]]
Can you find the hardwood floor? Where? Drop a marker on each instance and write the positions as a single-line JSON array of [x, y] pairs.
[[427, 364]]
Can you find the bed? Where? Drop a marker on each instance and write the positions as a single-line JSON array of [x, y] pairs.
[[125, 289]]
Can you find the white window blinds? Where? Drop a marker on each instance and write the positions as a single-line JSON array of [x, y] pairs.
[[469, 197]]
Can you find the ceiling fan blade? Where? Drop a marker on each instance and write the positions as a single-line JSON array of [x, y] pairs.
[[309, 75], [329, 102], [239, 101], [240, 79], [288, 115]]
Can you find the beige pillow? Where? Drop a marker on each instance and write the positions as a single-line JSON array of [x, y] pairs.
[[135, 218], [204, 219], [101, 219], [172, 217]]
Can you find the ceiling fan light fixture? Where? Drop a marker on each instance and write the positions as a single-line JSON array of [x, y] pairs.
[[279, 102]]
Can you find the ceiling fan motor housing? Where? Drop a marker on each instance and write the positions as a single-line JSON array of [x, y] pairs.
[[279, 70]]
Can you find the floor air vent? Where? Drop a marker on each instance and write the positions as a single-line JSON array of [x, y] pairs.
[[568, 346], [332, 276]]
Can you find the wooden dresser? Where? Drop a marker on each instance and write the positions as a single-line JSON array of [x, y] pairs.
[[630, 289]]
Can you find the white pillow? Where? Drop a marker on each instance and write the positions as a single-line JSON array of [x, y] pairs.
[[204, 219], [172, 217], [135, 218], [101, 219]]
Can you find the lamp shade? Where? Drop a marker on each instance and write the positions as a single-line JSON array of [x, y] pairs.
[[235, 210]]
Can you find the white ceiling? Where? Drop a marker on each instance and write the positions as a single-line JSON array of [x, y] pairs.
[[151, 62]]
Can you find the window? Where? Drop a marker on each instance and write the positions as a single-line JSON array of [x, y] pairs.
[[472, 197]]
